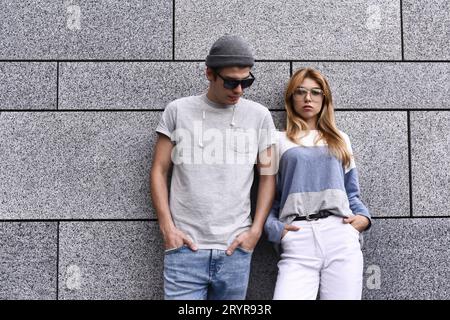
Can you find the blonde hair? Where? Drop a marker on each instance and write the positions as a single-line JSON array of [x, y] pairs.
[[326, 123]]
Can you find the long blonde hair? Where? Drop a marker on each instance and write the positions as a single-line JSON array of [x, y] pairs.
[[326, 123]]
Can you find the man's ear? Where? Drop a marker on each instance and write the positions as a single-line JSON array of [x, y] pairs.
[[209, 74]]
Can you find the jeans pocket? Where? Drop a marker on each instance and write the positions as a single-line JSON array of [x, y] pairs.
[[244, 250], [174, 250]]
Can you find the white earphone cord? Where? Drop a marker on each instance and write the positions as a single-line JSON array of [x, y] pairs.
[[200, 138]]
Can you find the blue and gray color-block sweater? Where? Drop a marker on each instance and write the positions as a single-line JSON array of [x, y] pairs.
[[310, 179]]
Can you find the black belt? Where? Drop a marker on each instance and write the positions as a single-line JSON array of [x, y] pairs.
[[316, 216]]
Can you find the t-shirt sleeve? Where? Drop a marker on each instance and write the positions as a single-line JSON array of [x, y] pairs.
[[167, 123], [267, 133]]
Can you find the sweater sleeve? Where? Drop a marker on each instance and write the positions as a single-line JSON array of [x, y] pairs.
[[273, 226], [352, 188], [353, 194]]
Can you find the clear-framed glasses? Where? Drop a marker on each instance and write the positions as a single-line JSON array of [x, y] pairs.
[[315, 93]]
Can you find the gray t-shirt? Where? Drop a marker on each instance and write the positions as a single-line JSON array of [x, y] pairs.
[[215, 150]]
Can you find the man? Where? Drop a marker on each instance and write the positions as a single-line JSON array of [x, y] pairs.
[[213, 141]]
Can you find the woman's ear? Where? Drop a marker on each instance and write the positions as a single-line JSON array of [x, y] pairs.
[[292, 107]]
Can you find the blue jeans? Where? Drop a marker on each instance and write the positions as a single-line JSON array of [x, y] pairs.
[[206, 274]]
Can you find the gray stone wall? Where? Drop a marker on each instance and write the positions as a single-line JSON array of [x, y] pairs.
[[83, 84]]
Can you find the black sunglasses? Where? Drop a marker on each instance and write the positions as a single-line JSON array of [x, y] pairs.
[[231, 83]]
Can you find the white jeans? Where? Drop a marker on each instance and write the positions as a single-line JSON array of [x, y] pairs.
[[323, 254]]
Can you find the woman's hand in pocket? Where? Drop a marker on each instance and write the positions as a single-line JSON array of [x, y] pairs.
[[287, 228], [359, 222]]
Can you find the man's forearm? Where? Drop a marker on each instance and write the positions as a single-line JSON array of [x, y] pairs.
[[160, 199], [266, 194]]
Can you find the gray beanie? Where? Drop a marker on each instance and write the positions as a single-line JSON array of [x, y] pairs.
[[230, 51]]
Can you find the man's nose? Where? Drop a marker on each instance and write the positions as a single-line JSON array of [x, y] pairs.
[[238, 89]]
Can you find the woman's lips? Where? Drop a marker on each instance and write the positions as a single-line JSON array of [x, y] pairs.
[[307, 108]]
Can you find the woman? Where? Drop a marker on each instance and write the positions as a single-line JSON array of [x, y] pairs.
[[317, 215]]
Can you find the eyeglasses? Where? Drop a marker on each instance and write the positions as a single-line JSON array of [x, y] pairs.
[[233, 83], [301, 93]]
